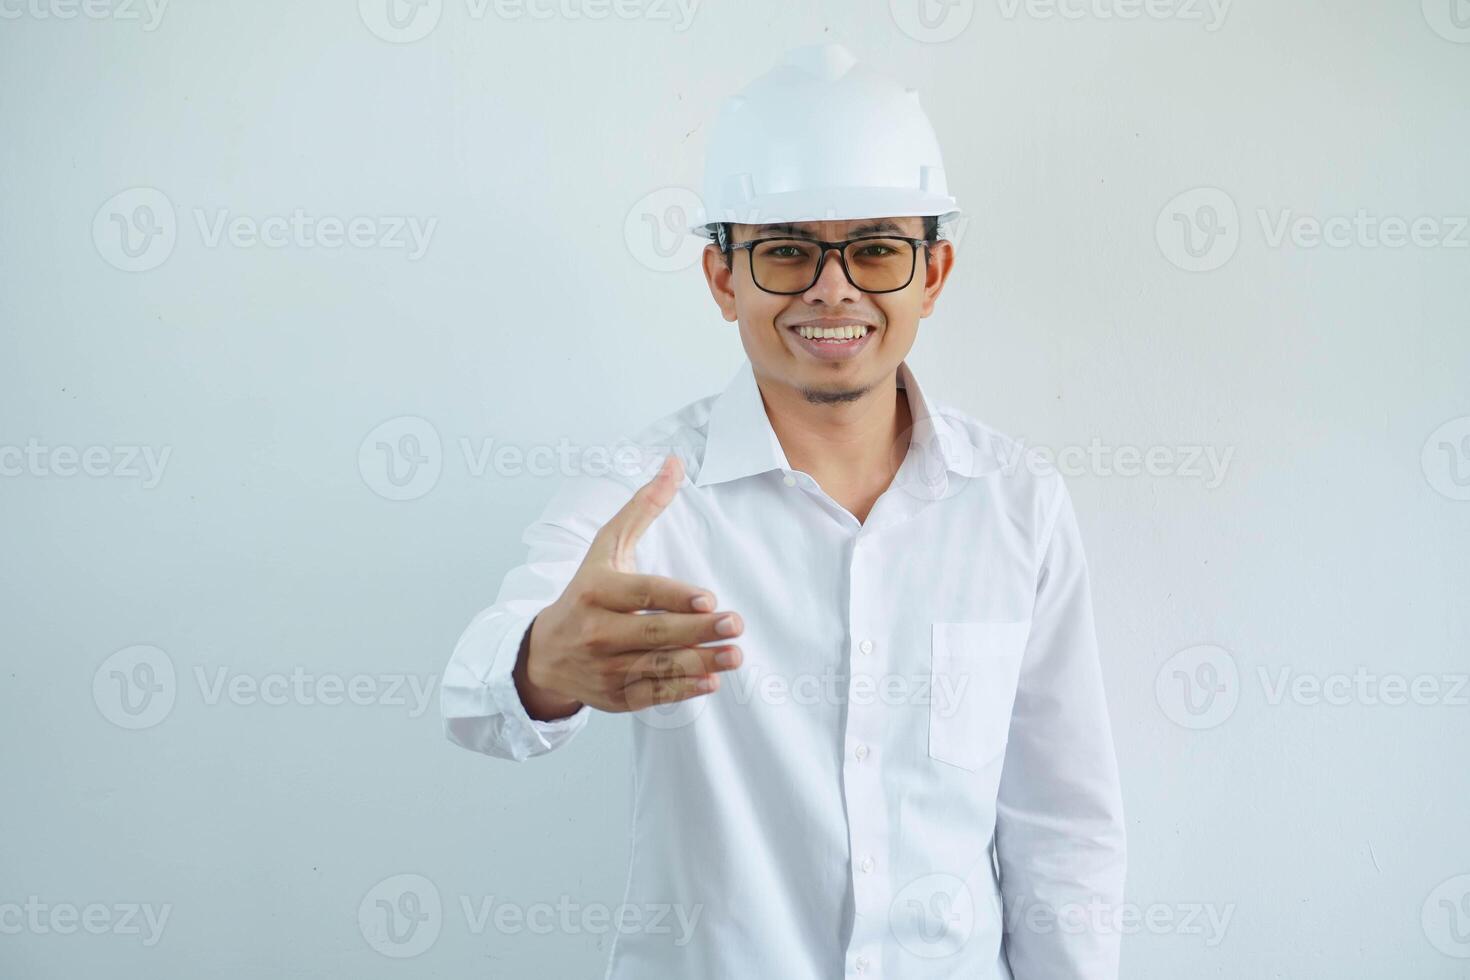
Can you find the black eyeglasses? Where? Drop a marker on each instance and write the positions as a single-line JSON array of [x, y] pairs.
[[872, 263]]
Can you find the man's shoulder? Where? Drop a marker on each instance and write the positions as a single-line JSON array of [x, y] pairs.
[[1021, 478]]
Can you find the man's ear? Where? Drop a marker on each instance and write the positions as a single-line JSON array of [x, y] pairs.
[[936, 270], [721, 280]]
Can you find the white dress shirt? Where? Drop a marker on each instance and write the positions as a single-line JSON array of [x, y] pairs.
[[916, 740]]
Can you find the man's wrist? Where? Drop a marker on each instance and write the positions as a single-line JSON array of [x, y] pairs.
[[540, 704]]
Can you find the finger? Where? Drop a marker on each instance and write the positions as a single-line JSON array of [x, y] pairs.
[[615, 540], [624, 633], [622, 592], [644, 693], [681, 662]]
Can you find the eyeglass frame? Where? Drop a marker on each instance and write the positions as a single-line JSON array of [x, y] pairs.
[[841, 249]]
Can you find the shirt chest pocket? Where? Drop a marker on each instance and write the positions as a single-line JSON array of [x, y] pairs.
[[974, 668]]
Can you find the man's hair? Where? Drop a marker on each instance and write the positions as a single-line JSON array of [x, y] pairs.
[[726, 234]]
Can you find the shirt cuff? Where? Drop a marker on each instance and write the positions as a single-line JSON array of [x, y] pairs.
[[525, 736]]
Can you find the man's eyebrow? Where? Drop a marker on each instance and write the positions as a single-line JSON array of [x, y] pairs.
[[795, 231]]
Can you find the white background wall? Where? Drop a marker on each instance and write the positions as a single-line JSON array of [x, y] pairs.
[[551, 304]]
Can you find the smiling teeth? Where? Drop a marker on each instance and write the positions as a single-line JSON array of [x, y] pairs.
[[832, 333]]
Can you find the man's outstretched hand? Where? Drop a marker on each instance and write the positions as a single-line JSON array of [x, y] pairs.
[[596, 646]]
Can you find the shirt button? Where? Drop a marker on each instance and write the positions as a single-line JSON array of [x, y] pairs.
[[861, 752], [790, 480], [867, 865], [866, 646], [862, 964]]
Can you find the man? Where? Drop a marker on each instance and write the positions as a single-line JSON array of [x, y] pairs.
[[874, 740]]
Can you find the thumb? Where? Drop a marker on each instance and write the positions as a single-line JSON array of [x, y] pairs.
[[616, 540]]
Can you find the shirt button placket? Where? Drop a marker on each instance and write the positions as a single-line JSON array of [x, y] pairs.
[[864, 762]]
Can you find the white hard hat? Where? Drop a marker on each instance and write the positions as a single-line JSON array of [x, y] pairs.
[[821, 138]]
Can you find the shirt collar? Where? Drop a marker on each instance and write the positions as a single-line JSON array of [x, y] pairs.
[[740, 441]]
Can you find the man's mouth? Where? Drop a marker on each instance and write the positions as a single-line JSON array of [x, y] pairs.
[[833, 335], [836, 342]]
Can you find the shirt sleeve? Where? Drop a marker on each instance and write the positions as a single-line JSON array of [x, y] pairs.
[[478, 699], [1060, 835]]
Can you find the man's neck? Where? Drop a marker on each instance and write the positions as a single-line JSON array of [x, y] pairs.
[[851, 448]]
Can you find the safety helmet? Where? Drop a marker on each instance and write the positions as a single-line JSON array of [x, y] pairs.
[[821, 138]]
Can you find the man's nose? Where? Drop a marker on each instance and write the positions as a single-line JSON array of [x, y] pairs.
[[831, 285]]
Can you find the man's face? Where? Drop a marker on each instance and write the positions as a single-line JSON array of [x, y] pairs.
[[776, 329]]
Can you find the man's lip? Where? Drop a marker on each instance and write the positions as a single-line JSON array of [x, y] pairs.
[[831, 323]]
